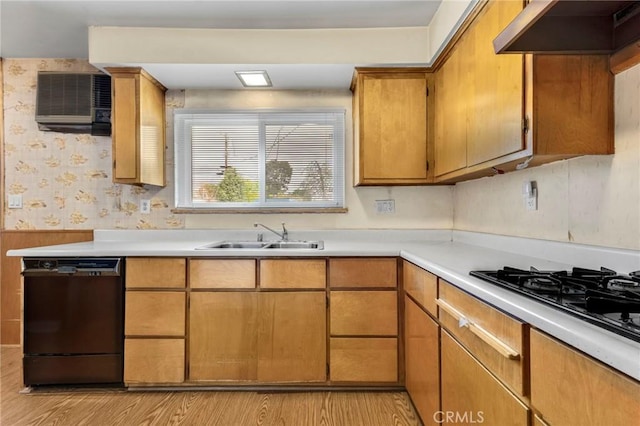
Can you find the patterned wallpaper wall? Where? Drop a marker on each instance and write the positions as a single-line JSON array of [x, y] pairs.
[[65, 179]]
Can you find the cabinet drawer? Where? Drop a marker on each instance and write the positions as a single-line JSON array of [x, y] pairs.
[[222, 273], [153, 361], [606, 397], [469, 390], [155, 272], [293, 273], [364, 313], [154, 313], [494, 338], [363, 272], [421, 285], [363, 359]]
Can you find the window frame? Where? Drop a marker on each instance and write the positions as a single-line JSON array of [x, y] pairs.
[[184, 120]]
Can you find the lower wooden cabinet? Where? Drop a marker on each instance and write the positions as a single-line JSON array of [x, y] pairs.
[[367, 359], [471, 394], [223, 342], [422, 361], [153, 361], [268, 337], [292, 336], [569, 388]]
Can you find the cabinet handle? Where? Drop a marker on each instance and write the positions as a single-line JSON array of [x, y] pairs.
[[491, 340]]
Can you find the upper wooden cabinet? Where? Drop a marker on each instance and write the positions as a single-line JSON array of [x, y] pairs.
[[496, 113], [390, 121], [138, 127]]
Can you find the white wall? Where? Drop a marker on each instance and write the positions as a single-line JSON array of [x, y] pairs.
[[589, 200]]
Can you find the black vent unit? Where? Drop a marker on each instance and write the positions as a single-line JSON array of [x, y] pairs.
[[74, 103]]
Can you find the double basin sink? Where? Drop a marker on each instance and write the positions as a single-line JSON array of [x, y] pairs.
[[257, 245]]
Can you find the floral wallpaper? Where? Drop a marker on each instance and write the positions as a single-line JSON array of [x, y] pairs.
[[65, 179]]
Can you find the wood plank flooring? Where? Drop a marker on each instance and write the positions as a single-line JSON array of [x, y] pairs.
[[98, 408]]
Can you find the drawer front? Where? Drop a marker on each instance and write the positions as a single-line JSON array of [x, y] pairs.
[[222, 273], [494, 338], [604, 396], [153, 361], [364, 313], [154, 313], [146, 272], [472, 393], [421, 285], [363, 359], [363, 272], [293, 273]]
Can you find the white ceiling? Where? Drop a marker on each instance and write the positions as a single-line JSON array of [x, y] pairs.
[[59, 29]]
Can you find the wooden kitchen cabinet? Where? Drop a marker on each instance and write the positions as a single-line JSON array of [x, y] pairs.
[[138, 127], [494, 113], [292, 337], [422, 360], [154, 320], [223, 342], [293, 273], [154, 272], [472, 394], [391, 126], [421, 285], [497, 340], [598, 395], [363, 320], [222, 273], [153, 361]]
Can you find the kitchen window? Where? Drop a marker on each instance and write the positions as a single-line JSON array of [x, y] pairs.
[[259, 160]]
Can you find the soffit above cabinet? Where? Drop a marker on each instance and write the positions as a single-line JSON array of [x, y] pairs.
[[571, 26]]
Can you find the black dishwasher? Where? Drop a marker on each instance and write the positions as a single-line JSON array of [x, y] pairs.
[[73, 321]]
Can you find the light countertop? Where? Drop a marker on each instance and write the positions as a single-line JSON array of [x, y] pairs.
[[448, 254]]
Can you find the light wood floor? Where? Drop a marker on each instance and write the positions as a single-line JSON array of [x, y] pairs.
[[195, 408]]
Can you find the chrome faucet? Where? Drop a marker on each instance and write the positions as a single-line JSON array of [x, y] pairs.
[[284, 236]]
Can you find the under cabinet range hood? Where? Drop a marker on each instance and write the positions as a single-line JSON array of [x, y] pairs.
[[571, 27], [74, 103]]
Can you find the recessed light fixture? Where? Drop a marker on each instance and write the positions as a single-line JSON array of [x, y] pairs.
[[254, 78]]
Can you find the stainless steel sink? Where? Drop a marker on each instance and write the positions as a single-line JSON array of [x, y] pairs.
[[314, 245], [317, 245], [234, 245]]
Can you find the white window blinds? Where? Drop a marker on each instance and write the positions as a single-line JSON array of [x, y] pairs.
[[286, 159]]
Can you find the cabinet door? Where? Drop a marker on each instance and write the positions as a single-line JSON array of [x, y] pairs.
[[124, 132], [223, 342], [422, 361], [153, 361], [364, 313], [393, 128], [292, 338], [293, 273], [473, 395], [599, 395], [154, 313], [153, 272], [450, 142], [364, 359], [496, 88]]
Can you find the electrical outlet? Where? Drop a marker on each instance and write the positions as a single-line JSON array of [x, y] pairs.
[[385, 206], [531, 202], [145, 206], [15, 201]]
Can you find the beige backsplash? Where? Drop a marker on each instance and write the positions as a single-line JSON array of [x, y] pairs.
[[589, 200]]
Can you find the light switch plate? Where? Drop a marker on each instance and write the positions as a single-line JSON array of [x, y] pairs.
[[15, 201]]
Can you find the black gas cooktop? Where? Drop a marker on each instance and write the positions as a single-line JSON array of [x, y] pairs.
[[602, 297]]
